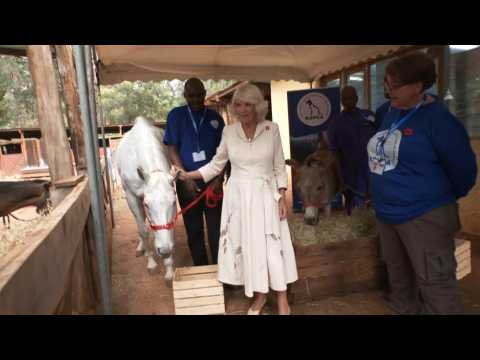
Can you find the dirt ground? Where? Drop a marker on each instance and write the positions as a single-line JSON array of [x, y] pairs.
[[134, 291]]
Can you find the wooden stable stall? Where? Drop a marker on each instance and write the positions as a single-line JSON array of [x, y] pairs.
[[54, 272], [62, 266]]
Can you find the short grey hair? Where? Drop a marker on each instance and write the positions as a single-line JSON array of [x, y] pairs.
[[251, 94]]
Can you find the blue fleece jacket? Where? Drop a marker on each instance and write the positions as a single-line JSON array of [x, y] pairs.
[[431, 164]]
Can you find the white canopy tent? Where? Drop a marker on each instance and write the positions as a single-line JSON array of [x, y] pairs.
[[302, 63]]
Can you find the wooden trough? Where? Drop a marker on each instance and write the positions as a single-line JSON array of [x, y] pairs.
[[196, 291], [337, 269], [351, 265]]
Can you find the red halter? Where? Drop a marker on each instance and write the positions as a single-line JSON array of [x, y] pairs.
[[211, 200]]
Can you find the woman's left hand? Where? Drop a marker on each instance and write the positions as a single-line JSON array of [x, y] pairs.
[[282, 208]]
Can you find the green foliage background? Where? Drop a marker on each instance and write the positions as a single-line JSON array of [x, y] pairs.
[[121, 103]]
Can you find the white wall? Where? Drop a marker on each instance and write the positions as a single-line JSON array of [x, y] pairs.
[[280, 108]]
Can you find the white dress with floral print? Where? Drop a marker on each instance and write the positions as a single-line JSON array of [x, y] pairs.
[[255, 246]]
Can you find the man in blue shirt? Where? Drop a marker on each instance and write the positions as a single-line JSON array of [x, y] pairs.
[[348, 136], [192, 136]]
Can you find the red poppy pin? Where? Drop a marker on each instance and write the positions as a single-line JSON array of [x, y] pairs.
[[408, 132]]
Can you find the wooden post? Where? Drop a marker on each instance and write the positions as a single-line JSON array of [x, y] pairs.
[[67, 71], [49, 112], [23, 147]]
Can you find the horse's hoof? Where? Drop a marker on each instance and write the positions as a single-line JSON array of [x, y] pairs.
[[153, 271], [139, 253]]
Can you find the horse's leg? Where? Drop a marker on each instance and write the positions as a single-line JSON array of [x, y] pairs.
[[165, 249], [143, 245], [139, 215], [169, 268]]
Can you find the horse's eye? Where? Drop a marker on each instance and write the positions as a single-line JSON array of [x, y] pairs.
[[319, 188]]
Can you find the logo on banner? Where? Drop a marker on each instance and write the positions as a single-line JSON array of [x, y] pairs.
[[314, 109]]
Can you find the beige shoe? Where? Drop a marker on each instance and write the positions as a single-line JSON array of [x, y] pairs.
[[256, 312]]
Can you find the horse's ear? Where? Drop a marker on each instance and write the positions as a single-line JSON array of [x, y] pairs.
[[142, 174]]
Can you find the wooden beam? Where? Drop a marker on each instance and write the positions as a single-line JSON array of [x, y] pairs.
[[49, 112], [74, 180], [23, 147], [13, 52], [67, 71]]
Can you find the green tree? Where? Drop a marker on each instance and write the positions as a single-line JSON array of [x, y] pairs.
[[17, 100], [123, 102]]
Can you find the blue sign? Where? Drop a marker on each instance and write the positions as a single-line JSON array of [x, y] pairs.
[[309, 113]]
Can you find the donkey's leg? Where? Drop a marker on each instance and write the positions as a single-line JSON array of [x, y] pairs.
[[143, 246]]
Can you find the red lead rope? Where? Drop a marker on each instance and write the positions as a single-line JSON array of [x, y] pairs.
[[211, 200]]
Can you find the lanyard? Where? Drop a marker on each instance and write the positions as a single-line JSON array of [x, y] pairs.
[[197, 129], [395, 125]]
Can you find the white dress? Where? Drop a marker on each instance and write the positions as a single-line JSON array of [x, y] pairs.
[[255, 247]]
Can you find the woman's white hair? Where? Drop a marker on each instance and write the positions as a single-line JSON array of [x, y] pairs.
[[251, 94]]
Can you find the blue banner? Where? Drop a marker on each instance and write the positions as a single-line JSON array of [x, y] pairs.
[[309, 114]]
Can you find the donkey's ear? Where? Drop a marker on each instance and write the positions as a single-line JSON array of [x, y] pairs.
[[143, 175]]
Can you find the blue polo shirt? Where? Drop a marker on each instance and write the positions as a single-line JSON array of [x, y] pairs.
[[181, 132], [348, 135], [431, 164]]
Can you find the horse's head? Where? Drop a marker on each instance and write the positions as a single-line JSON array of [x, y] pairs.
[[160, 206]]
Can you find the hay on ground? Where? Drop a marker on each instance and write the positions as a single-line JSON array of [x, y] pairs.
[[339, 227]]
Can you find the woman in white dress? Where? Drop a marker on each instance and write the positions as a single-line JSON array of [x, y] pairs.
[[255, 246]]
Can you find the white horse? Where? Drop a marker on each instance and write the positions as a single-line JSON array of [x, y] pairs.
[[144, 169]]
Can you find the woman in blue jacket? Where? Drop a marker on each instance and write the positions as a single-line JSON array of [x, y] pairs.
[[421, 162]]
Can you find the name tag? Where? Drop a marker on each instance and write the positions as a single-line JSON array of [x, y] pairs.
[[377, 164], [199, 156]]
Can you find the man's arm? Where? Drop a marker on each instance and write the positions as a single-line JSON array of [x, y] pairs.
[[175, 156]]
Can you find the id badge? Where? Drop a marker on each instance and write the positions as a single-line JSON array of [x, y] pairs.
[[377, 165], [199, 156]]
